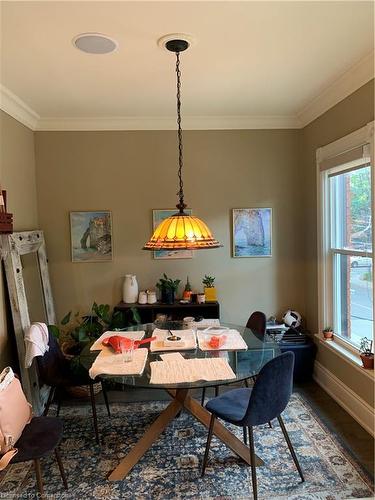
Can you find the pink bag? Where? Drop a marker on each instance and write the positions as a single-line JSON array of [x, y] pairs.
[[15, 413]]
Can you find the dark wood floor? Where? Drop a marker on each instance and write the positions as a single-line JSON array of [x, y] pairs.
[[351, 435]]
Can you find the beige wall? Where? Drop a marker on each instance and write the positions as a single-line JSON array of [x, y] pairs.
[[350, 114], [132, 172], [17, 175]]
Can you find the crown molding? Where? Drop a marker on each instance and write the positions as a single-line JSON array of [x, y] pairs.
[[169, 123], [346, 84], [350, 81], [17, 108]]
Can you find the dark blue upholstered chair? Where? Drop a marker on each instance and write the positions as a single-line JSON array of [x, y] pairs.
[[39, 438], [248, 407], [256, 323], [54, 370]]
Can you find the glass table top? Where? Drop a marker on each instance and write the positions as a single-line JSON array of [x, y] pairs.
[[244, 363]]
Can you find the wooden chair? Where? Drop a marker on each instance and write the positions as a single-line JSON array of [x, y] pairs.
[[54, 370], [40, 438], [249, 407]]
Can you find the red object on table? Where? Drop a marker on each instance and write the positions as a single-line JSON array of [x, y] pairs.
[[117, 342], [215, 342]]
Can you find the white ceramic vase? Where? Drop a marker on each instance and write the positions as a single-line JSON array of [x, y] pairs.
[[130, 289]]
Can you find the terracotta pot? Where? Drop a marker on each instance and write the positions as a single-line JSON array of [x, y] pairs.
[[367, 361], [328, 335]]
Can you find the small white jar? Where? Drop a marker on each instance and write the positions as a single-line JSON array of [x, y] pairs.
[[142, 298], [151, 297]]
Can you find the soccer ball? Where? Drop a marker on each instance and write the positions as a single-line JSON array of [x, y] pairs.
[[292, 318]]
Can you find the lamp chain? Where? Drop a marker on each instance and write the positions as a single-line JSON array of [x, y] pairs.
[[181, 205]]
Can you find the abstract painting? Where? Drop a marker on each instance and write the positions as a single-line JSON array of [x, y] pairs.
[[91, 236], [157, 217], [252, 232]]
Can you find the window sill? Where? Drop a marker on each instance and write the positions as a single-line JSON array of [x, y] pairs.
[[345, 353]]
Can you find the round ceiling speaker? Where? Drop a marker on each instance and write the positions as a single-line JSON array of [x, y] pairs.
[[95, 43]]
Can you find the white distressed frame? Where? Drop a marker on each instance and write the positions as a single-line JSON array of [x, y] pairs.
[[13, 246], [362, 137]]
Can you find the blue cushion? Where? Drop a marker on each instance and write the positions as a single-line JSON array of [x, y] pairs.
[[231, 406]]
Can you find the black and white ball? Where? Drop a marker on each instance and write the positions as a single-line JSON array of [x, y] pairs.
[[292, 318]]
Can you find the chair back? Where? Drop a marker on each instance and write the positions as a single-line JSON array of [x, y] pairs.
[[257, 322], [272, 390], [52, 366]]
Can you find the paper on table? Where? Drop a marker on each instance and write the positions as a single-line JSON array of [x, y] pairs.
[[98, 346], [205, 323], [233, 342], [108, 363], [187, 336], [171, 356], [190, 370]]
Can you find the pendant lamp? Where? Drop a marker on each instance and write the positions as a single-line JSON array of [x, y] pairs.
[[181, 231]]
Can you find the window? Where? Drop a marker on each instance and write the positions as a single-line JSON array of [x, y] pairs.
[[346, 199]]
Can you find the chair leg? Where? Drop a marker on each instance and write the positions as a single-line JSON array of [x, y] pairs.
[[39, 480], [49, 401], [253, 467], [290, 446], [270, 424], [93, 406], [208, 444], [244, 435], [203, 396], [246, 382], [217, 387], [105, 395], [61, 468], [58, 402]]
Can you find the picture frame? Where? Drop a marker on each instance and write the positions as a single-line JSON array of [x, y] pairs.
[[251, 232], [158, 215], [91, 236]]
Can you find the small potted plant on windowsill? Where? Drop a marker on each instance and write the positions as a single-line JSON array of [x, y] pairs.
[[367, 357], [168, 289], [328, 333], [209, 288]]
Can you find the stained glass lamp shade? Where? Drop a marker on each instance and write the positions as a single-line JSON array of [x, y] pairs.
[[181, 231]]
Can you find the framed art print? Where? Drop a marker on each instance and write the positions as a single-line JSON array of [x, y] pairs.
[[252, 232], [157, 217], [91, 236]]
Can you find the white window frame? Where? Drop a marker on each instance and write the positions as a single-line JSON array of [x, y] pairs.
[[363, 137]]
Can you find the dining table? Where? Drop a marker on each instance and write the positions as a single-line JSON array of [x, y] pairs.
[[245, 363]]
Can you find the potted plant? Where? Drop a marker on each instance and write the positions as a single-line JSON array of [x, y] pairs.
[[168, 288], [328, 333], [366, 354], [209, 288], [187, 292]]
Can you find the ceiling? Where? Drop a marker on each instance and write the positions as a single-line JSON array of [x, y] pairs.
[[270, 64]]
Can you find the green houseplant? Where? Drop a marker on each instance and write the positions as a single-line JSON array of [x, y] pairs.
[[367, 357], [209, 288], [77, 331], [168, 288]]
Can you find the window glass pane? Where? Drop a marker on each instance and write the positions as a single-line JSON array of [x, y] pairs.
[[350, 197], [353, 297]]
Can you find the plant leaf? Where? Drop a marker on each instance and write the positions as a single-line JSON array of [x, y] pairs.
[[66, 318]]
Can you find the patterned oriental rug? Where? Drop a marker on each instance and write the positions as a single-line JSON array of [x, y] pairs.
[[171, 469]]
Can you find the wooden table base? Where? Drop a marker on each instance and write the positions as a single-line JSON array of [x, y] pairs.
[[181, 400]]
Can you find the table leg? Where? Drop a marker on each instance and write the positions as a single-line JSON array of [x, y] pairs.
[[146, 441], [227, 437]]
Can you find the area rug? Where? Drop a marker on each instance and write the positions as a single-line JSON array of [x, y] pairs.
[[171, 469]]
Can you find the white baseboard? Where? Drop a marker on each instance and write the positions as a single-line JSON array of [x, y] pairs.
[[361, 411]]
